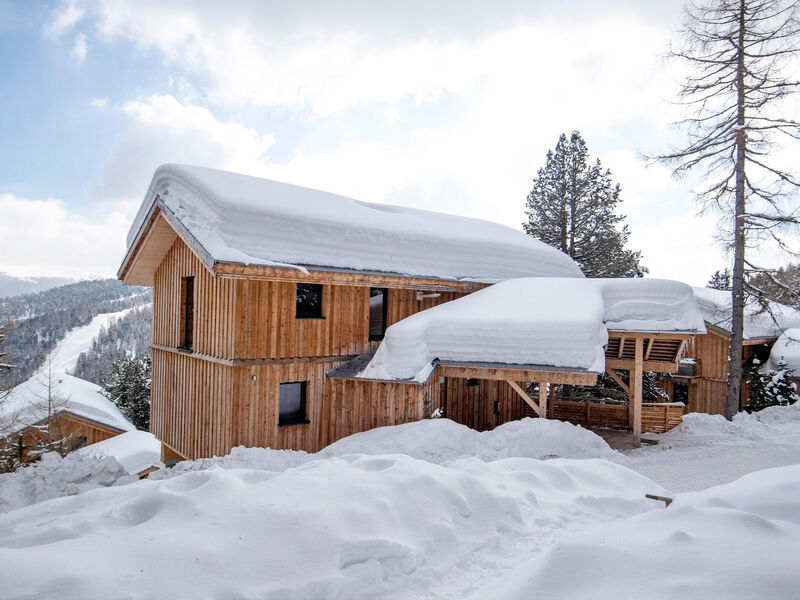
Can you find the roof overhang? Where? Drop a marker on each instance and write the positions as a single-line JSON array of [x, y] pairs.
[[155, 237]]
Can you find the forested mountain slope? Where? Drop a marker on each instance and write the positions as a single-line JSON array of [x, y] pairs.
[[39, 321]]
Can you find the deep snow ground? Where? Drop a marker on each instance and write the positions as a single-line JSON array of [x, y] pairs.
[[434, 510]]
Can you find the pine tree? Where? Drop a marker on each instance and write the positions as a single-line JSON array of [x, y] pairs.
[[571, 207], [129, 388], [775, 388], [720, 280], [781, 391]]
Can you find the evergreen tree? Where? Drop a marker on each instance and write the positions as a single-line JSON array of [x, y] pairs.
[[720, 280], [129, 388], [773, 389], [571, 207]]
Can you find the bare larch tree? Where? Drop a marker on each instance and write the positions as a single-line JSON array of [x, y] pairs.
[[740, 55]]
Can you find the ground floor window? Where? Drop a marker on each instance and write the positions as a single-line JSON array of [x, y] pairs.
[[292, 409]]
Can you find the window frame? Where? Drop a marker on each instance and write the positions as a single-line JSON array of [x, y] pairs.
[[385, 291], [300, 418], [308, 315], [187, 311]]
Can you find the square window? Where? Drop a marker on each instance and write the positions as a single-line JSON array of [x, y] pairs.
[[377, 313], [308, 304], [292, 410]]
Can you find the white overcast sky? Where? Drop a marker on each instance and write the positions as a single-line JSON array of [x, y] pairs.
[[450, 106]]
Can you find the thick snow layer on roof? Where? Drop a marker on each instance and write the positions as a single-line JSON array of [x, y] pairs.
[[715, 305], [242, 219], [787, 349], [27, 403], [134, 450], [551, 322]]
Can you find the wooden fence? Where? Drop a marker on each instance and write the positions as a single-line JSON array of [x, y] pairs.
[[656, 417]]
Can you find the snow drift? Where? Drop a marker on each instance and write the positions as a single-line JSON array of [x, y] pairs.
[[350, 527], [786, 349], [738, 540], [241, 219], [552, 322]]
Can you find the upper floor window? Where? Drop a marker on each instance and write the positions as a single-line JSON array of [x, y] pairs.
[[292, 403], [308, 304], [377, 313], [187, 313]]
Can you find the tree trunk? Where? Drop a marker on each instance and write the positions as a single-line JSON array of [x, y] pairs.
[[737, 294]]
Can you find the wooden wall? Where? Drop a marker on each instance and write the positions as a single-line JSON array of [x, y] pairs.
[[64, 426], [191, 404], [215, 304], [473, 406]]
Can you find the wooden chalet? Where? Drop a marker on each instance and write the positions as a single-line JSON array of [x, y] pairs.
[[270, 299], [80, 417]]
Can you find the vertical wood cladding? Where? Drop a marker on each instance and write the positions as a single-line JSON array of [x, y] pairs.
[[192, 404], [474, 405], [214, 304], [707, 391]]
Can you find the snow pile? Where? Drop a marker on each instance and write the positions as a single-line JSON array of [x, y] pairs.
[[351, 527], [442, 440], [553, 322], [136, 451], [715, 305], [739, 540], [242, 219], [786, 349], [439, 441], [241, 457], [27, 403], [53, 477]]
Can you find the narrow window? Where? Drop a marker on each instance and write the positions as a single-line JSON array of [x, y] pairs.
[[292, 410], [377, 313], [308, 304], [187, 313]]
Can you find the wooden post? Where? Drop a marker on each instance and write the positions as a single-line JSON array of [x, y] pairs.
[[543, 398], [552, 402], [636, 393]]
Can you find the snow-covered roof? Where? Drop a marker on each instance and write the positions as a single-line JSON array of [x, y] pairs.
[[715, 305], [27, 403], [135, 450], [240, 219], [786, 349], [550, 322]]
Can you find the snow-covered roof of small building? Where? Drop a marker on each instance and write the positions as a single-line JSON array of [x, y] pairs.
[[246, 220], [27, 402], [135, 450], [551, 322], [786, 349], [715, 305]]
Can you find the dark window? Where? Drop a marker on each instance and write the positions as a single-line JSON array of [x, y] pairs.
[[680, 393], [472, 382], [187, 312], [309, 301], [292, 409], [377, 313]]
